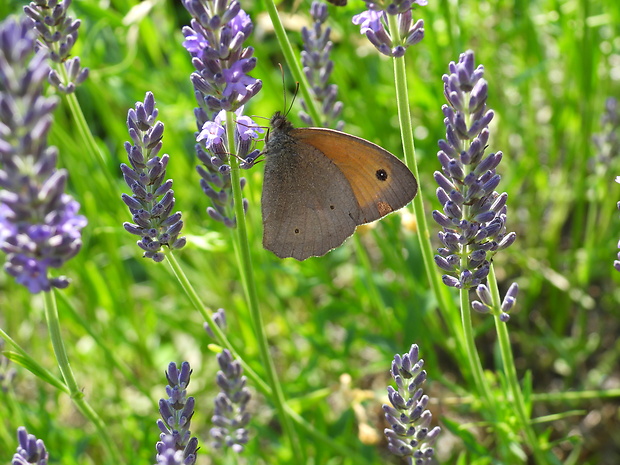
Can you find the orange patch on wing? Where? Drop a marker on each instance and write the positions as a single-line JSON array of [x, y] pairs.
[[384, 208]]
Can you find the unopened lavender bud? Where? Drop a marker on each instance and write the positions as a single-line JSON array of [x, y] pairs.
[[451, 281], [507, 241], [220, 320], [484, 294], [480, 307], [30, 451]]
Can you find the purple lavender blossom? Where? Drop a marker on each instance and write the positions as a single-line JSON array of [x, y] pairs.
[[168, 454], [30, 449], [408, 435], [474, 215], [153, 199], [215, 41], [485, 304], [230, 417], [221, 82], [318, 67], [374, 25], [212, 151], [57, 33], [220, 320], [39, 224], [176, 412]]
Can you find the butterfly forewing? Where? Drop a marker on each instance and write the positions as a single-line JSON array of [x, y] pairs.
[[380, 182]]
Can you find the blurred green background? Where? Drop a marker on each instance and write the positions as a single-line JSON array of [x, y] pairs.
[[332, 326]]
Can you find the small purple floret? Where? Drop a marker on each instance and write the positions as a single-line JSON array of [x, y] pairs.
[[374, 25], [30, 451]]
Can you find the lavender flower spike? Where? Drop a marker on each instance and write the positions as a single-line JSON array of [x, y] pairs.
[[318, 68], [408, 435], [230, 417], [374, 24], [176, 412], [39, 224], [153, 199], [30, 449], [221, 82], [57, 34], [474, 214]]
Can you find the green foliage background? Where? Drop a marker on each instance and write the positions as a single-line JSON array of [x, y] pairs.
[[334, 327]]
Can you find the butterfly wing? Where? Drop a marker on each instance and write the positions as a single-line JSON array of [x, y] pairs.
[[308, 206], [381, 183]]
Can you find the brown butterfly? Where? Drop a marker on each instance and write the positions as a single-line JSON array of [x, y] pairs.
[[320, 184]]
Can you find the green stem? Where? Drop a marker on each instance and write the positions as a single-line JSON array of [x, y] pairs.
[[21, 357], [53, 325], [511, 373], [84, 130], [217, 331], [249, 286], [376, 301], [406, 129], [290, 55], [261, 385], [470, 346]]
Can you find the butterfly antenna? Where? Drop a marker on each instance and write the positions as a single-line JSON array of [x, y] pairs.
[[284, 91], [283, 86], [293, 101]]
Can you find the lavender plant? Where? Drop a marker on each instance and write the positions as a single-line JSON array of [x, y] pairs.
[[387, 39], [474, 215], [230, 417], [176, 413], [39, 225], [318, 68], [30, 449], [221, 82], [57, 33], [153, 198], [408, 435]]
